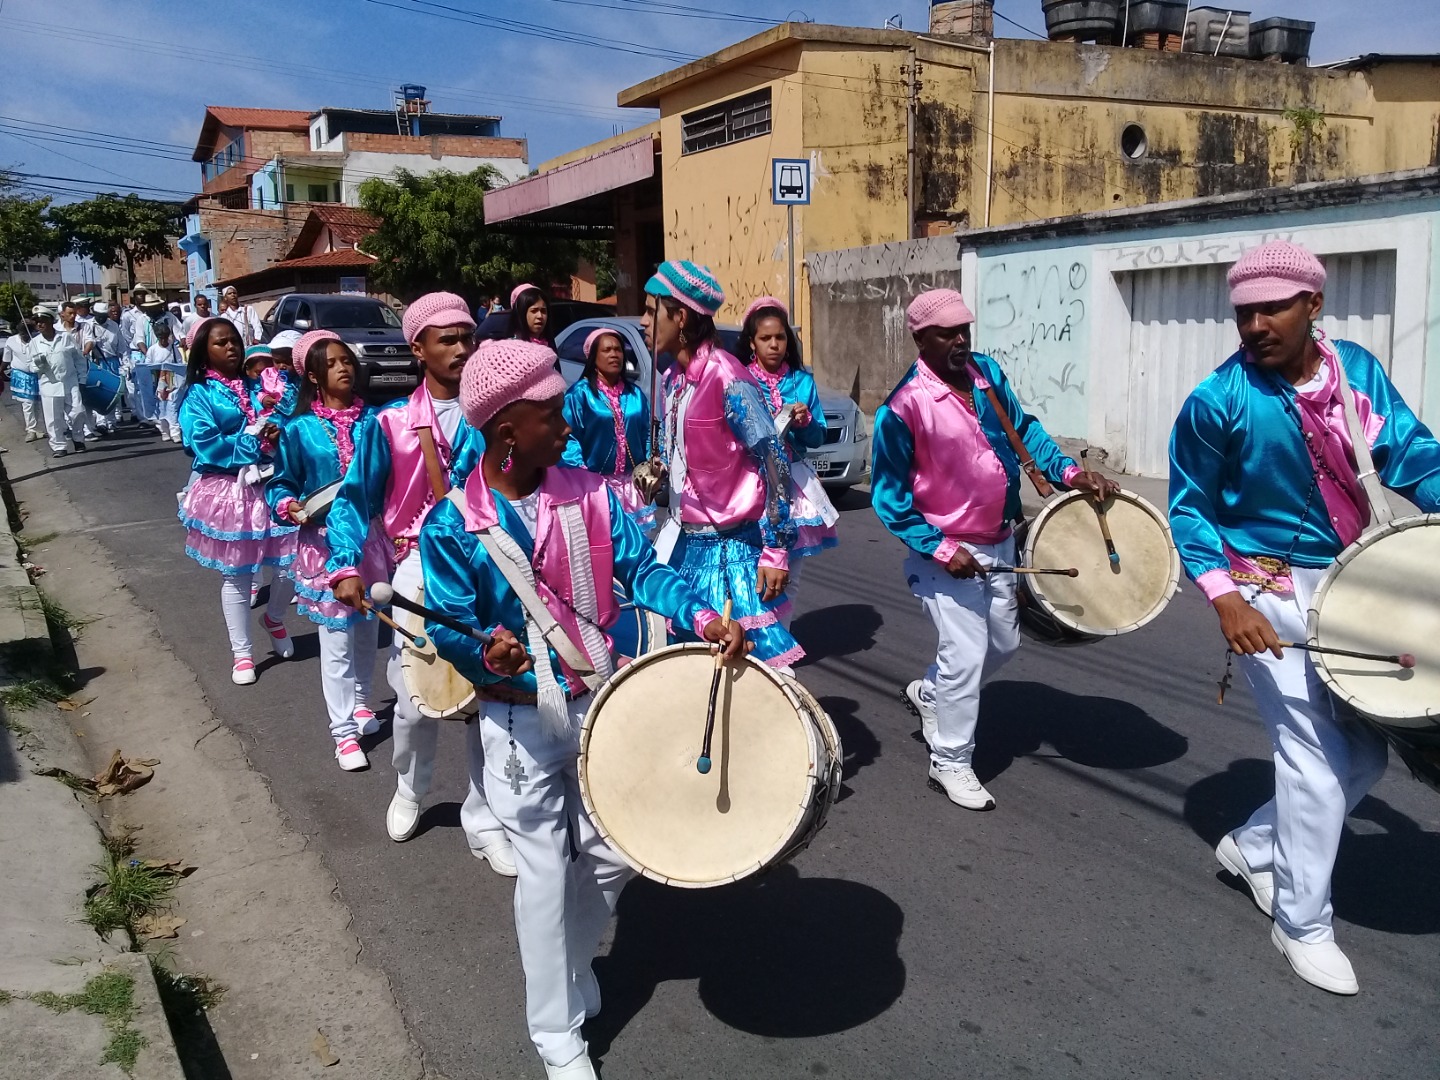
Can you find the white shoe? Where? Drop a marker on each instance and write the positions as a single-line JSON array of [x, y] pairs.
[[33, 436], [367, 721], [1319, 963], [495, 848], [582, 1068], [279, 638], [349, 754], [959, 784], [254, 596], [916, 704], [401, 818], [243, 673], [1261, 882]]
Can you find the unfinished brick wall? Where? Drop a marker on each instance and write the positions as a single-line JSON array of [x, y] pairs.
[[437, 146]]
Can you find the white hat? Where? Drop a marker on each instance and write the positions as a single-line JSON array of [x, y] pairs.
[[40, 311], [102, 308], [229, 289], [285, 339]]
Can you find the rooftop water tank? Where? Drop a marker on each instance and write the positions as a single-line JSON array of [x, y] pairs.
[[1217, 31], [1156, 17], [1287, 40], [1082, 20]]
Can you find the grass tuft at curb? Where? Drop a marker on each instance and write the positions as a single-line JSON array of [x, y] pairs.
[[111, 996]]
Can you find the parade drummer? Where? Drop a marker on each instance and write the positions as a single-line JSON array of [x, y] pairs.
[[1264, 494], [414, 445], [946, 482], [568, 536]]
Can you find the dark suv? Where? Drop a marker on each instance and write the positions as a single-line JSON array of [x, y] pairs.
[[367, 325]]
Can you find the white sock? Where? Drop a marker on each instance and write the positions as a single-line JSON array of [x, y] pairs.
[[235, 603]]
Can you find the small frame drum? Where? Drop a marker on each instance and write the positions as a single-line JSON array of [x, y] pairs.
[[1382, 595], [315, 506], [436, 689], [776, 773], [1105, 599]]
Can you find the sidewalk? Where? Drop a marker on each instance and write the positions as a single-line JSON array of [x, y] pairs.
[[263, 918]]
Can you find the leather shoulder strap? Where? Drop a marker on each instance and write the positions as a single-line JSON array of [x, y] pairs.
[[433, 469], [1027, 463]]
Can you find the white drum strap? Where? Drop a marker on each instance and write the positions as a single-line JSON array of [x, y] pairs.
[[1380, 512]]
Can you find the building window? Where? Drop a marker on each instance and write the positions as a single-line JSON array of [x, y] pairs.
[[289, 192], [336, 192], [1134, 144], [730, 121], [316, 193]]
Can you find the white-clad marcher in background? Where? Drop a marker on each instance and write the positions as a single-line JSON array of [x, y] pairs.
[[162, 360], [24, 385], [145, 373], [199, 314], [106, 347], [58, 363], [242, 315]]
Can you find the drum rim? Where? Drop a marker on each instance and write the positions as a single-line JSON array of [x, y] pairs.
[[803, 811], [1037, 591], [468, 706], [1366, 539]]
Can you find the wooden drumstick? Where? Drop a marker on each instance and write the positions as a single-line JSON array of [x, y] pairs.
[[1404, 659], [702, 763], [385, 596], [1100, 510], [418, 640], [1066, 571]]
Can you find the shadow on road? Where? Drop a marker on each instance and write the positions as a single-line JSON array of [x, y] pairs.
[[9, 758], [1387, 874], [837, 631], [782, 957], [91, 457], [1018, 718], [859, 745]]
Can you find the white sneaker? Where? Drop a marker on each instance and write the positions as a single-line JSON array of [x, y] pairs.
[[1261, 882], [495, 848], [254, 595], [349, 754], [279, 638], [916, 704], [401, 818], [243, 672], [1319, 963], [33, 436], [582, 1068], [959, 784], [367, 721]]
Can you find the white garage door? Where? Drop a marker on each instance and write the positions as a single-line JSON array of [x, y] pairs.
[[1182, 327]]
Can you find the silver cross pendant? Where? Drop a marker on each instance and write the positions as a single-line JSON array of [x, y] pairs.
[[514, 771]]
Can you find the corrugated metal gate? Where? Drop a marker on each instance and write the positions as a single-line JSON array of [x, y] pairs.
[[1182, 327]]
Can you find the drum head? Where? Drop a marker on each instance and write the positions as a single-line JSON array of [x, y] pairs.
[[1106, 599], [1383, 596], [436, 689], [638, 749]]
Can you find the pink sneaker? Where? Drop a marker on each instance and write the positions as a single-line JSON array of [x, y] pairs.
[[243, 673], [368, 722], [284, 647], [349, 754]]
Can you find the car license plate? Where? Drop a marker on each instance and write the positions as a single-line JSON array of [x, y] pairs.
[[392, 380], [825, 468]]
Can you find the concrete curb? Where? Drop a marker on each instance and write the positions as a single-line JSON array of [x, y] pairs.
[[158, 1060]]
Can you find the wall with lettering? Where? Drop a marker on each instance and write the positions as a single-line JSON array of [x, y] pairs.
[[1034, 319]]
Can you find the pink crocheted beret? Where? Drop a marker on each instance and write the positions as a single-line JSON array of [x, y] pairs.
[[595, 335], [1274, 271], [766, 302], [300, 353], [515, 292], [938, 307], [435, 309], [195, 330], [504, 372]]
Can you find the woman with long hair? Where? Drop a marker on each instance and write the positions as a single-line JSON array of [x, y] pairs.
[[227, 522], [769, 349], [609, 422], [316, 447], [530, 316]]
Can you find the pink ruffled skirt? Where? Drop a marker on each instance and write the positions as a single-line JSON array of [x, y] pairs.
[[228, 527], [312, 582], [813, 513]]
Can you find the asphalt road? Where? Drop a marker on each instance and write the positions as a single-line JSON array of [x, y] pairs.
[[1081, 930]]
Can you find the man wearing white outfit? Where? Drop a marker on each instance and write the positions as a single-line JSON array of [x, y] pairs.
[[59, 366], [105, 346], [1265, 493], [565, 535], [242, 315], [24, 384], [946, 482]]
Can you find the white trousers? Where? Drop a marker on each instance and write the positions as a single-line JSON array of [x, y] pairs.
[[568, 877], [66, 418], [978, 623], [33, 420], [235, 603], [1326, 760], [347, 669], [416, 737]]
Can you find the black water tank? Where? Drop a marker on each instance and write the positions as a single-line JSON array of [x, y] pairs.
[[1084, 19], [1281, 39], [1157, 16]]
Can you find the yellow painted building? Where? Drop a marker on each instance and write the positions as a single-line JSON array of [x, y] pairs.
[[912, 135]]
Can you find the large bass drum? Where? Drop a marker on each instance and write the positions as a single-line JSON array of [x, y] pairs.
[[1382, 595], [776, 772], [1106, 599]]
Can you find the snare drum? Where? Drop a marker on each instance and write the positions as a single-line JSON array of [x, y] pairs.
[[436, 689], [776, 773], [1106, 599], [316, 506]]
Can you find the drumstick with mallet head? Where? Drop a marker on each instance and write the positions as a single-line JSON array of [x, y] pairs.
[[1404, 659], [1100, 510], [384, 595], [702, 763], [418, 640], [1063, 571]]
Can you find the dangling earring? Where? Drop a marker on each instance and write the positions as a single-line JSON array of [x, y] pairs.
[[1314, 332], [509, 462]]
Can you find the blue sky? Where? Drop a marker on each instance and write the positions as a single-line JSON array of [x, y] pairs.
[[141, 71]]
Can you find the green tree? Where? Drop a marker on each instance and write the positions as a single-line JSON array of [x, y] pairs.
[[16, 299], [118, 230], [433, 236], [25, 229]]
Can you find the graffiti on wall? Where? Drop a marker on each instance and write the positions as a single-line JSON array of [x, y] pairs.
[[1200, 251], [1033, 320]]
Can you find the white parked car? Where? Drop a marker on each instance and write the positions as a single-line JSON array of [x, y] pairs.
[[841, 462]]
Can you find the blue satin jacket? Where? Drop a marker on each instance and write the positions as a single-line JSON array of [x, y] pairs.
[[1240, 471], [799, 387], [285, 408], [592, 428], [461, 582], [307, 458], [362, 492], [893, 458], [213, 427]]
